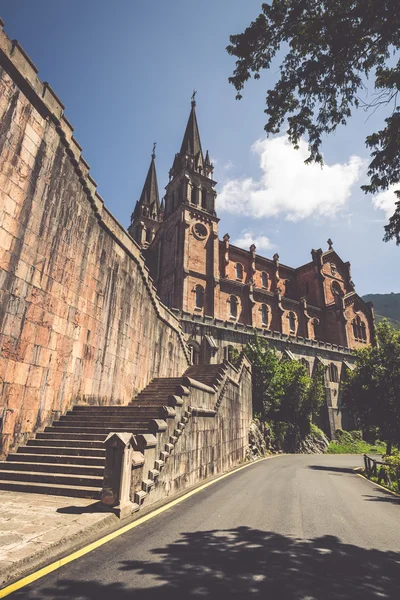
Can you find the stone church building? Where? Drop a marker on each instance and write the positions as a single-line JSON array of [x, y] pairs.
[[223, 294], [93, 314]]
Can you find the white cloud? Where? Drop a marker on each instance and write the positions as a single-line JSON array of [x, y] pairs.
[[289, 187], [248, 238], [228, 166], [386, 200]]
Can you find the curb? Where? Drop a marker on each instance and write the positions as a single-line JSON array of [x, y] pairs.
[[72, 549], [360, 473]]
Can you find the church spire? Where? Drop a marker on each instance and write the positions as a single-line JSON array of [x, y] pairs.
[[190, 179], [191, 153], [191, 140], [149, 203]]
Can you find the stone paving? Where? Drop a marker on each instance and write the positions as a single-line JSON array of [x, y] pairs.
[[36, 529]]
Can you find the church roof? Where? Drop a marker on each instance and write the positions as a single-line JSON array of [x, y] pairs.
[[149, 196], [191, 153], [191, 140]]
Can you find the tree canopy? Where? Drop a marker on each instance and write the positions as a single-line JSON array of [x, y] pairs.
[[332, 47], [283, 391], [372, 390]]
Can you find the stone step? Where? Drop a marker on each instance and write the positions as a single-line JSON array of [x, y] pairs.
[[89, 461], [50, 467], [52, 489], [99, 443], [52, 478], [55, 434], [166, 379], [155, 394], [102, 431], [103, 410], [136, 412], [75, 451], [119, 425], [153, 402]]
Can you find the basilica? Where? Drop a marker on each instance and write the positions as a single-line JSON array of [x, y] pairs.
[[226, 291]]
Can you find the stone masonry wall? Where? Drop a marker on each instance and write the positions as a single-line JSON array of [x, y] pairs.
[[210, 444], [79, 317], [228, 335]]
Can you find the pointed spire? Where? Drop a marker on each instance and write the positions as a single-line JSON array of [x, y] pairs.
[[149, 203], [191, 140]]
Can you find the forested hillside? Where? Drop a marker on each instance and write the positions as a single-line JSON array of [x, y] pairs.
[[386, 306]]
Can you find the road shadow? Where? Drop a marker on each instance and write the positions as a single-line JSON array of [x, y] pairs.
[[333, 469], [383, 496], [97, 507], [240, 563]]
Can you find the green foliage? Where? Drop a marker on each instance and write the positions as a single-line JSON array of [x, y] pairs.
[[234, 356], [264, 363], [392, 464], [283, 393], [372, 390], [331, 47], [351, 442]]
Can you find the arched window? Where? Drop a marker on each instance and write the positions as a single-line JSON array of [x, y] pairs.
[[363, 332], [359, 329], [264, 279], [333, 373], [194, 350], [333, 269], [148, 235], [292, 321], [194, 195], [168, 299], [315, 328], [203, 198], [239, 271], [306, 364], [199, 291], [233, 306], [264, 314], [336, 289]]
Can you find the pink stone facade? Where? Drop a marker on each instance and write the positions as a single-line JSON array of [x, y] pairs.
[[79, 317]]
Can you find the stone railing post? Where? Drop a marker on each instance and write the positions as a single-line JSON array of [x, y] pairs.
[[118, 473]]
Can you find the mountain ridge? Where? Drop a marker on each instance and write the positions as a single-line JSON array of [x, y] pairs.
[[386, 306]]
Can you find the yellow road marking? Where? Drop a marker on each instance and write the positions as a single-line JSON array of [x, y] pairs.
[[374, 483], [17, 585]]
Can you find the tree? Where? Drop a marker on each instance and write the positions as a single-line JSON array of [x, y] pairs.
[[372, 390], [264, 363], [332, 47], [282, 389]]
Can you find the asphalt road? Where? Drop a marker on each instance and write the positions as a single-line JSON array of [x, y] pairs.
[[298, 527]]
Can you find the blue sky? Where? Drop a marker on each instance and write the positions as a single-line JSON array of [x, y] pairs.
[[125, 71]]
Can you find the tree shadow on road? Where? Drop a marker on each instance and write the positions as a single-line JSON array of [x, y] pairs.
[[241, 562], [383, 496], [333, 469]]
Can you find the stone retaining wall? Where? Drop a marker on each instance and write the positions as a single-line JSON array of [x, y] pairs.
[[204, 432], [79, 317]]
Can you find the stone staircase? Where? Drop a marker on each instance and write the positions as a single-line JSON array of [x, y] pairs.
[[68, 458], [210, 375]]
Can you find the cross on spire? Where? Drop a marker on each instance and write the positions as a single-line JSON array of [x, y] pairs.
[[193, 97], [330, 244], [153, 154]]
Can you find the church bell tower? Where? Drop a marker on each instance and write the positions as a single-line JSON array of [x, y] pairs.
[[188, 251]]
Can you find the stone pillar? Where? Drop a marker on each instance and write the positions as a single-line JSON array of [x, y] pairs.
[[118, 473]]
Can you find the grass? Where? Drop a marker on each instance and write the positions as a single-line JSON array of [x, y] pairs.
[[356, 448], [351, 442]]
